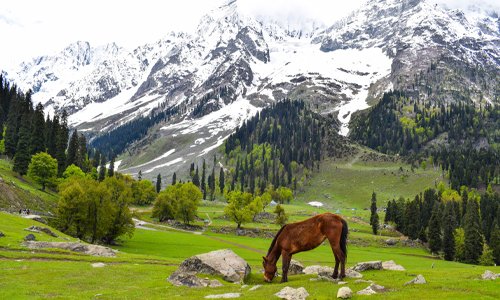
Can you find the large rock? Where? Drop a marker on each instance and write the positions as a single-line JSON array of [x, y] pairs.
[[317, 270], [344, 293], [392, 266], [295, 268], [224, 263], [417, 280], [292, 294], [39, 229], [223, 296], [190, 279], [488, 275], [368, 265], [30, 237], [89, 249]]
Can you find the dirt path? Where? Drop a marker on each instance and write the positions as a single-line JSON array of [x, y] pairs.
[[354, 159], [140, 224]]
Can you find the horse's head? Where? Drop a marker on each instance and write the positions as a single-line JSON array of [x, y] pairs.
[[269, 270]]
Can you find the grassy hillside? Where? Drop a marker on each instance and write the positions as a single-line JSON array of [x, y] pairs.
[[19, 192]]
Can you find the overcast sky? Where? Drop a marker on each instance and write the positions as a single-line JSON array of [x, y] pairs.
[[35, 27]]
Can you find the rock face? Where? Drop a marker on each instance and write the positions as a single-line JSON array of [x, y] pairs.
[[295, 268], [292, 294], [344, 293], [39, 229], [368, 265], [488, 275], [94, 250], [224, 263], [30, 237], [190, 279], [392, 266], [417, 280], [223, 296]]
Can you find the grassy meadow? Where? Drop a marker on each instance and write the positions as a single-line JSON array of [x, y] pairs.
[[145, 261]]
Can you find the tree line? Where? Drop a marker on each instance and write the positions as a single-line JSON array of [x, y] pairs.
[[462, 225]]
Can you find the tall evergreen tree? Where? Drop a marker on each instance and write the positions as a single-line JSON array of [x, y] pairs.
[[374, 219], [82, 157], [203, 182], [174, 179], [37, 143], [22, 157], [111, 169], [62, 143], [158, 183], [102, 168], [196, 178], [495, 241], [434, 234], [73, 148], [473, 238], [449, 224], [12, 128], [221, 180]]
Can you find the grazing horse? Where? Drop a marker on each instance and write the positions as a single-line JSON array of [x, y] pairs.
[[304, 236]]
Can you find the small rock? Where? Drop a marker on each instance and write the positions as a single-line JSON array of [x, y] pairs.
[[98, 265], [363, 281], [366, 291], [39, 229], [244, 286], [255, 287], [1, 234], [368, 265], [223, 296], [317, 270], [344, 293], [30, 237], [377, 288], [417, 280], [292, 294], [391, 265], [295, 268], [327, 278], [342, 282], [391, 242], [190, 279], [350, 273], [488, 275]]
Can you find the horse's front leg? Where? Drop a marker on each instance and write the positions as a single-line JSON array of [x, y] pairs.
[[286, 258]]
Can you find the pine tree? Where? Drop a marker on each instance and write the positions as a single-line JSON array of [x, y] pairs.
[[158, 183], [139, 175], [221, 180], [73, 148], [61, 143], [196, 178], [37, 143], [374, 219], [82, 158], [12, 128], [22, 157], [435, 229], [102, 168], [174, 179], [203, 182], [111, 169], [448, 232], [495, 241], [473, 238]]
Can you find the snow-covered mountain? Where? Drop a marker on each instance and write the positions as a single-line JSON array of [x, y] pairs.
[[235, 63]]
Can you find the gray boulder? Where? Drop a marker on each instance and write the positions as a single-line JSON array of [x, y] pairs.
[[292, 294], [417, 280], [368, 265], [392, 266], [317, 270], [190, 279], [89, 249], [39, 229], [372, 289], [350, 273], [295, 268], [30, 237], [391, 242], [488, 275], [223, 296], [224, 263], [344, 293]]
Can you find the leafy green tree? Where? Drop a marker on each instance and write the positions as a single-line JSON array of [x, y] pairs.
[[73, 171], [459, 244], [283, 195], [190, 198], [374, 219], [179, 201], [487, 258], [434, 233], [143, 192], [281, 217], [239, 209], [473, 238], [158, 183], [43, 169]]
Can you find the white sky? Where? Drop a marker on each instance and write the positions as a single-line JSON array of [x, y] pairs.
[[37, 27]]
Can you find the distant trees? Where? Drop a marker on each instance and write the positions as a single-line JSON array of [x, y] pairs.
[[241, 207], [281, 217], [158, 183], [179, 201], [43, 169], [374, 219], [143, 192]]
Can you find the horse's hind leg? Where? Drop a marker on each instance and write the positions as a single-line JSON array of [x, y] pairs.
[[339, 257], [336, 270], [285, 260]]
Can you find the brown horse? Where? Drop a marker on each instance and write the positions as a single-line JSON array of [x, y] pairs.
[[304, 236]]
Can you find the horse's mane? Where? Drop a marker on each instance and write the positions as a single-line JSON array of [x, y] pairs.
[[274, 240]]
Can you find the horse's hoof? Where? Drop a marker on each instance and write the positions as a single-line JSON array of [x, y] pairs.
[[335, 276], [284, 280]]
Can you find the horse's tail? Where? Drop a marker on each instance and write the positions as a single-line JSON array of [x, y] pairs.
[[343, 238]]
